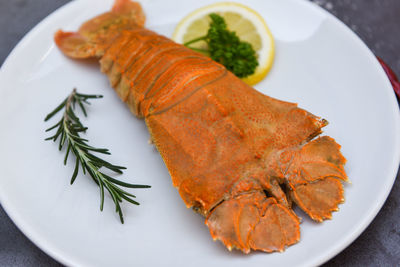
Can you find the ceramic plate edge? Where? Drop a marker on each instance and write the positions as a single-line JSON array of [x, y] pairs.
[[36, 239]]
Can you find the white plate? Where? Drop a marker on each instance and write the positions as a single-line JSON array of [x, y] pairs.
[[320, 64]]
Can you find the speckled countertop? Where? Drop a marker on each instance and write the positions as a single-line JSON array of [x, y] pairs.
[[377, 22]]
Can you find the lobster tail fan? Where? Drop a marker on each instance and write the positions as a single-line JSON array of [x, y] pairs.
[[95, 36], [315, 178], [253, 221]]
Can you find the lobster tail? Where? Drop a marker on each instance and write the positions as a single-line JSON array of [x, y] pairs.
[[96, 35], [236, 156]]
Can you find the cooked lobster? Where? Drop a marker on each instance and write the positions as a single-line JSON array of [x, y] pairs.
[[236, 156]]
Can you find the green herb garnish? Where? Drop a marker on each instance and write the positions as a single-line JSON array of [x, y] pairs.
[[226, 48], [68, 129]]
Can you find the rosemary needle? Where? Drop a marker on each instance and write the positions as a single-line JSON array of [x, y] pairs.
[[68, 132]]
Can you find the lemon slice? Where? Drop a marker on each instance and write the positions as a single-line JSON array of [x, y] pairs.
[[247, 24]]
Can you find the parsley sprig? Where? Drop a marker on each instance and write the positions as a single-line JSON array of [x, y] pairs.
[[226, 48], [68, 131]]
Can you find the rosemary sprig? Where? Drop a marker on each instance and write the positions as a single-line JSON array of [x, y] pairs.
[[68, 129]]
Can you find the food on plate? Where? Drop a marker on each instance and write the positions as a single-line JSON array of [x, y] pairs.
[[236, 156], [68, 130], [243, 21], [226, 48]]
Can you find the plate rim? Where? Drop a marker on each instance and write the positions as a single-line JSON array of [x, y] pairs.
[[56, 254]]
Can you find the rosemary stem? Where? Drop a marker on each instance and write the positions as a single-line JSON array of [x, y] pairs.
[[68, 129]]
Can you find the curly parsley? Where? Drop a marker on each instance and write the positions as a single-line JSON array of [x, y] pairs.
[[226, 48]]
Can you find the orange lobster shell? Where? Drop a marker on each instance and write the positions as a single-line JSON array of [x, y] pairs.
[[236, 156]]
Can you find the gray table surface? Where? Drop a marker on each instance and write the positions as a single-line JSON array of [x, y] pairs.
[[377, 22]]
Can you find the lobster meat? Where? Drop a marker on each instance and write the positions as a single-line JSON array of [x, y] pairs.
[[236, 156]]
